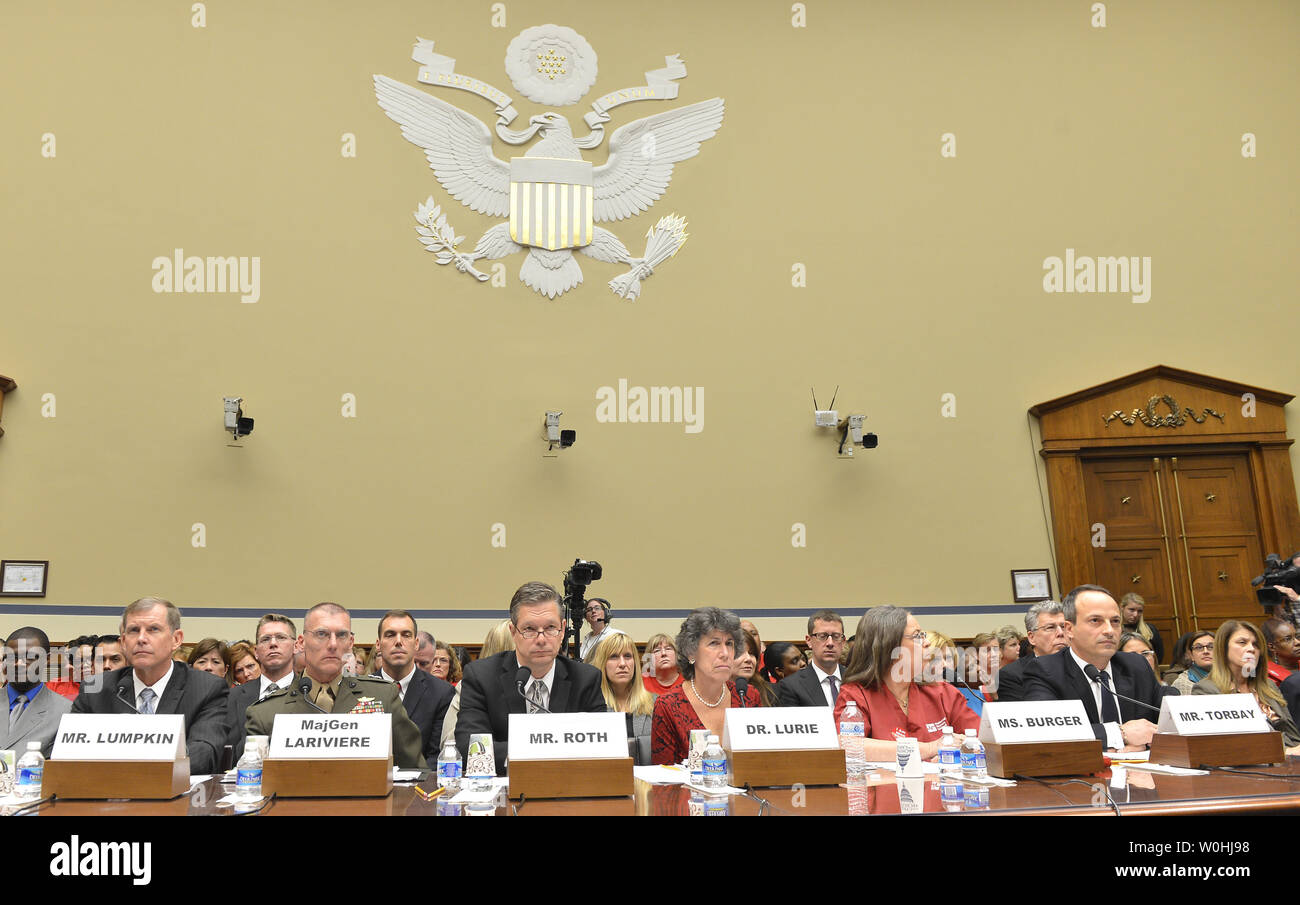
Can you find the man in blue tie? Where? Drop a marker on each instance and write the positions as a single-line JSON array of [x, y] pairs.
[[33, 710], [155, 683]]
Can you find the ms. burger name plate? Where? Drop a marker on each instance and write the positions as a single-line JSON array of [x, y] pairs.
[[779, 729], [1017, 722], [562, 736], [113, 736], [324, 735], [1211, 714]]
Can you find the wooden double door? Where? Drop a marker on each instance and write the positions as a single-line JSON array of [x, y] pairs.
[[1181, 530]]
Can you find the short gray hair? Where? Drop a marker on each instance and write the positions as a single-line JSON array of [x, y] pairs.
[[423, 639], [148, 603], [698, 624], [1067, 602], [1038, 610]]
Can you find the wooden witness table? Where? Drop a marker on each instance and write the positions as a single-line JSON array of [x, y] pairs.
[[1137, 793]]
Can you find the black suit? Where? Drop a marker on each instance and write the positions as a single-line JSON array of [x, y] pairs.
[[241, 698], [426, 702], [1290, 689], [1057, 677], [1011, 680], [803, 689], [198, 696], [488, 695]]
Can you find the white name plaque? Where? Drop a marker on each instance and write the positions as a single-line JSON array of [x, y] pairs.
[[321, 735], [778, 729], [1211, 714], [120, 736], [562, 736], [1015, 722]]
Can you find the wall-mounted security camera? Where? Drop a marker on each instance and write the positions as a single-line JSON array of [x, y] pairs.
[[851, 435], [557, 439], [235, 422]]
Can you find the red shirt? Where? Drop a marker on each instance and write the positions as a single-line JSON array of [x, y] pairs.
[[68, 689], [1277, 673], [654, 686], [674, 718], [930, 708]]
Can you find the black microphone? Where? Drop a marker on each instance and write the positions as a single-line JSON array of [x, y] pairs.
[[121, 696], [742, 688], [521, 676], [1093, 674], [304, 688]]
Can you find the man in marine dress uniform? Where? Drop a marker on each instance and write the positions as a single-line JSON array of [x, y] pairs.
[[326, 637]]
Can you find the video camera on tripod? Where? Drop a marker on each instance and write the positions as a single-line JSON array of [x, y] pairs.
[[1277, 571], [576, 581]]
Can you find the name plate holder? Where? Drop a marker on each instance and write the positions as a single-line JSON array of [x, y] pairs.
[[1038, 738], [569, 755], [1225, 730], [358, 761], [100, 756], [782, 746]]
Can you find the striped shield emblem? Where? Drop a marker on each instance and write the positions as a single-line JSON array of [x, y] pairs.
[[550, 202]]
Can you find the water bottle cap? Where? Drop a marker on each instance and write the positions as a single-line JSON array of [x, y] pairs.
[[970, 732], [712, 738], [33, 746]]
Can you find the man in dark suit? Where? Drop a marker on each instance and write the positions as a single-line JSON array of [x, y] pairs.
[[528, 679], [425, 697], [155, 683], [1048, 633], [275, 638], [1091, 665], [818, 683], [32, 712]]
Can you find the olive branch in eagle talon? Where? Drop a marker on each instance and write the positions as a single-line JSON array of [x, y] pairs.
[[437, 236]]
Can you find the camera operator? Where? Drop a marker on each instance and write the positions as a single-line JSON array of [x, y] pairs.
[[1280, 591], [598, 620]]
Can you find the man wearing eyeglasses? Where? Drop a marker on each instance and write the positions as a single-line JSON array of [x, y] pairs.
[[598, 619], [819, 685], [496, 687], [1048, 633], [274, 641], [326, 637]]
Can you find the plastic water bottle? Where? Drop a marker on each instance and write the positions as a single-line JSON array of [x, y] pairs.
[[853, 738], [31, 770], [248, 774], [972, 757], [715, 764], [949, 754], [951, 791], [449, 766]]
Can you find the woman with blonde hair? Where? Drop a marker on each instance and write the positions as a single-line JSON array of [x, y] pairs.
[[1241, 667], [1131, 607], [619, 663], [943, 656]]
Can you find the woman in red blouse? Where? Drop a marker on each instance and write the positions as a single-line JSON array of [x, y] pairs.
[[708, 642], [885, 676]]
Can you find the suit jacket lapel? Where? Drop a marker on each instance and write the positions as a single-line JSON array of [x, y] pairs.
[[561, 687], [1081, 686], [171, 696], [124, 694], [415, 690], [31, 717], [1124, 685], [812, 684], [515, 702]]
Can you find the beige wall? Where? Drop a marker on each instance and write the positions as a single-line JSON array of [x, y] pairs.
[[924, 277]]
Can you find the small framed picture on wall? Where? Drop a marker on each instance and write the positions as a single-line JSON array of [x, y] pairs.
[[1031, 585], [23, 577]]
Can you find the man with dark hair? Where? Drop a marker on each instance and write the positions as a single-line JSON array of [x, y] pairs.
[[819, 684], [529, 679], [424, 697], [155, 683], [107, 654], [32, 711], [1048, 633], [274, 642], [598, 620], [326, 638], [1093, 670]]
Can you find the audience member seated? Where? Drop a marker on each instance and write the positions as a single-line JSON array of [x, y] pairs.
[[1092, 670], [425, 697], [1282, 649], [709, 639], [209, 656], [242, 658], [620, 685], [446, 665], [885, 678], [1132, 643], [662, 674], [108, 655], [275, 638], [817, 685], [68, 666], [326, 638], [977, 673], [598, 622], [156, 683], [1047, 634], [1198, 658], [749, 628], [1131, 607], [32, 710], [1238, 648], [782, 660], [941, 658], [746, 667], [530, 679], [425, 647], [1008, 645]]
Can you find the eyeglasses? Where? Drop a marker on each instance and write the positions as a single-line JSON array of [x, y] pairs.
[[823, 637], [1202, 648], [1057, 629], [277, 639], [917, 636], [530, 634], [323, 635]]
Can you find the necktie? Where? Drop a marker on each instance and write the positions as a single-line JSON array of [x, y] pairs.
[[270, 689], [325, 698], [20, 704], [1109, 713], [146, 700], [538, 697], [835, 689]]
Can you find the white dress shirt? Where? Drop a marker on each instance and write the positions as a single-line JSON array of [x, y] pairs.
[[1114, 736], [284, 682], [822, 678], [402, 684], [158, 687], [548, 680], [589, 643]]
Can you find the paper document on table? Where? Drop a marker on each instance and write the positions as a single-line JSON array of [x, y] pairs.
[[400, 775], [1169, 769], [661, 775]]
